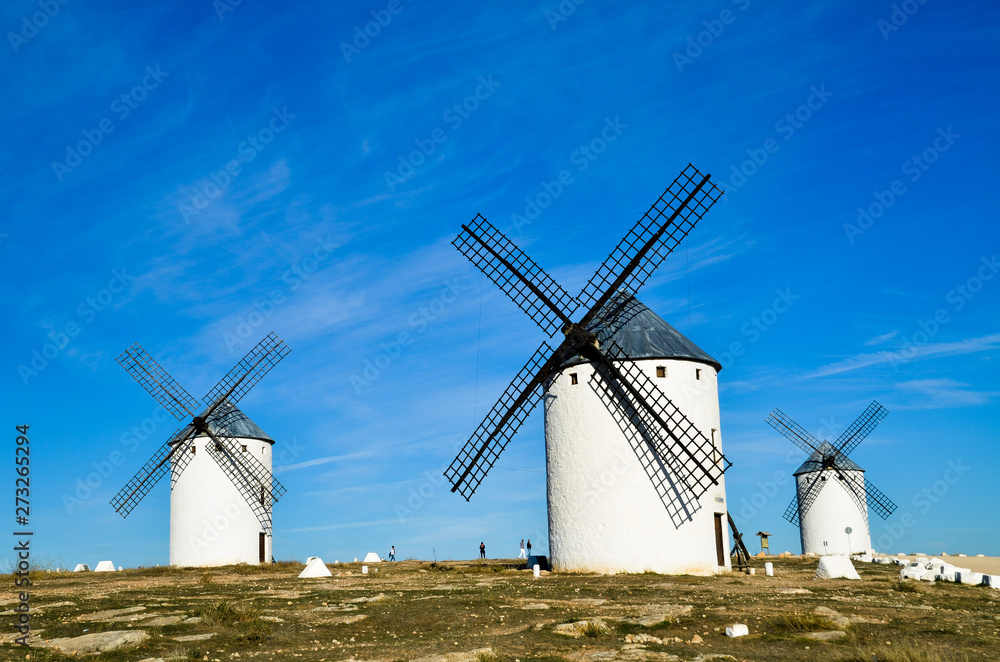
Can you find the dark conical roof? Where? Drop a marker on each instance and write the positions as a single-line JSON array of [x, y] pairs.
[[643, 334], [815, 461], [234, 421]]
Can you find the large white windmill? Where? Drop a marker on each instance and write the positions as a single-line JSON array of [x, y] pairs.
[[633, 453], [222, 488], [833, 496]]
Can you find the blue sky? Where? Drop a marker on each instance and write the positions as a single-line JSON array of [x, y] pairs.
[[857, 149]]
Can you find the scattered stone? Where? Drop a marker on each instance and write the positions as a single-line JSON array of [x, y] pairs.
[[577, 629], [273, 619], [696, 639], [833, 616], [192, 620], [110, 614], [589, 602], [344, 620], [195, 637], [97, 642], [795, 591], [737, 630], [535, 605], [825, 636], [465, 656], [336, 608], [374, 598], [656, 614], [642, 639], [162, 620]]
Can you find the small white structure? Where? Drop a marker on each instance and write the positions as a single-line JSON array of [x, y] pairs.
[[105, 566], [836, 567], [372, 557], [211, 523], [81, 567], [605, 511], [315, 568], [833, 509], [737, 630]]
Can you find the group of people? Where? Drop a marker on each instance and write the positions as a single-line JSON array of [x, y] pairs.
[[523, 555]]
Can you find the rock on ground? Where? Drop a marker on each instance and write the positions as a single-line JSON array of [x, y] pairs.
[[97, 642], [825, 636], [578, 628]]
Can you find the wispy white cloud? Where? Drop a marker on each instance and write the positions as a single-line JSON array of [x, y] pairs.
[[911, 353], [940, 394], [880, 339]]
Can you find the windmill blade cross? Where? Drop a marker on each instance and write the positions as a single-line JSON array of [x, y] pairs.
[[854, 484], [793, 431], [516, 274], [157, 382], [878, 502], [257, 486], [150, 474], [703, 464], [250, 370], [481, 451], [807, 497], [655, 236], [792, 511], [861, 428]]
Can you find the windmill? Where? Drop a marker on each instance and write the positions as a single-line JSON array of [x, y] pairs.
[[221, 487], [832, 494], [628, 402]]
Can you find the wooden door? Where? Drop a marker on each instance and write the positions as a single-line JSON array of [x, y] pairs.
[[260, 547], [720, 547]]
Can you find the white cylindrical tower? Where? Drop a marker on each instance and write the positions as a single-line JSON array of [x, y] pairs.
[[834, 509], [211, 523], [605, 512]]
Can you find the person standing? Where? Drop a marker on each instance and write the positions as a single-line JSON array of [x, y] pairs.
[[521, 555], [482, 550], [392, 553], [529, 546]]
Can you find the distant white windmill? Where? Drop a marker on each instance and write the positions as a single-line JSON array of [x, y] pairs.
[[222, 489], [833, 496]]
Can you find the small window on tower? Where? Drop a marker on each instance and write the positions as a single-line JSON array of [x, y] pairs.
[[573, 378], [697, 373], [661, 371], [194, 449], [244, 448], [262, 496]]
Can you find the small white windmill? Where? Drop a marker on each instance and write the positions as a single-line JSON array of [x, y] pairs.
[[222, 490], [832, 494]]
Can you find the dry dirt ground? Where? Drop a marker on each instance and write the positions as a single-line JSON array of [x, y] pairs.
[[486, 612]]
